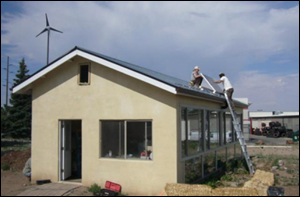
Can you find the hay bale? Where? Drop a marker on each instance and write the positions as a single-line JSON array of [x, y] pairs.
[[235, 192], [261, 181], [188, 190]]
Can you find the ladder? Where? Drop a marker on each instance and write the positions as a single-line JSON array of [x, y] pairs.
[[240, 136]]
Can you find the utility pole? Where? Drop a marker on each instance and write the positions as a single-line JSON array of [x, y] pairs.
[[7, 80]]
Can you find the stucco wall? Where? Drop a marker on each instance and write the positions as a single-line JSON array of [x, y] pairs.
[[112, 96]]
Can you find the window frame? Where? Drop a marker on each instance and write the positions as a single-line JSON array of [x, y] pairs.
[[79, 74], [125, 139]]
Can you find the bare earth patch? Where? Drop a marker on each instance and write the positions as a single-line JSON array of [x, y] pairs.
[[13, 183]]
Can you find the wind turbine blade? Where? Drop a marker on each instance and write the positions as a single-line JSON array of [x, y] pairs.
[[42, 32], [47, 22], [55, 30]]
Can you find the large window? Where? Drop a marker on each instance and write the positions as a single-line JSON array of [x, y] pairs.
[[113, 138], [214, 129], [191, 131], [230, 134], [126, 140]]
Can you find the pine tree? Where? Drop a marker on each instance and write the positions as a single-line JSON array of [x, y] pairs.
[[20, 111], [4, 121]]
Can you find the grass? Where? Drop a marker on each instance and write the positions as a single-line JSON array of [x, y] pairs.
[[5, 167], [8, 144], [290, 171], [227, 178]]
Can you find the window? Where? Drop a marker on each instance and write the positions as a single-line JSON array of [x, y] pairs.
[[207, 130], [214, 129], [191, 131], [113, 138], [230, 136], [84, 74], [126, 140]]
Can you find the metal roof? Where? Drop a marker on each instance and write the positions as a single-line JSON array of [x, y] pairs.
[[182, 87]]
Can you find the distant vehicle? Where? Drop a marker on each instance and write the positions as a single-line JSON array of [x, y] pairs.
[[274, 129]]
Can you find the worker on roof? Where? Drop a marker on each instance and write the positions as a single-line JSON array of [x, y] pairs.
[[228, 88], [196, 78]]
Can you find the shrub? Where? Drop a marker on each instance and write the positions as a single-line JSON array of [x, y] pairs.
[[5, 167], [94, 189]]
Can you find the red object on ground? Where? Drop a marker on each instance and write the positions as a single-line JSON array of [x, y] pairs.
[[113, 186]]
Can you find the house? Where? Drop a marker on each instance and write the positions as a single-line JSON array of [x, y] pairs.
[[96, 118]]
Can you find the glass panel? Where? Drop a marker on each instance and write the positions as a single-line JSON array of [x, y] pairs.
[[214, 129], [223, 126], [136, 140], [193, 170], [229, 129], [207, 133], [209, 163], [149, 141], [221, 158], [112, 133], [183, 132], [194, 135]]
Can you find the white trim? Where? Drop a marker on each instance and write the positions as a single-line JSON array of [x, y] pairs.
[[98, 60], [128, 72], [43, 72]]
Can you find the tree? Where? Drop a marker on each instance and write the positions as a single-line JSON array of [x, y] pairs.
[[5, 122], [20, 111]]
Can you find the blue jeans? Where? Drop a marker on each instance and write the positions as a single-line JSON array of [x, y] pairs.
[[28, 174]]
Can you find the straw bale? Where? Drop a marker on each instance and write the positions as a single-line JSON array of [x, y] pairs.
[[188, 190], [235, 192], [261, 181]]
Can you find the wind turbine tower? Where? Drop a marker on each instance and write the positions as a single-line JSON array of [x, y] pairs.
[[48, 29]]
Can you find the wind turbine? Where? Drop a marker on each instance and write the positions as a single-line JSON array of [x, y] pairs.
[[48, 29]]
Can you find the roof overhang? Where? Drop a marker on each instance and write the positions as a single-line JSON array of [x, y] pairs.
[[26, 85]]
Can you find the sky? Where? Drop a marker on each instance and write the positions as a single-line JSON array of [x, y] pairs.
[[256, 44]]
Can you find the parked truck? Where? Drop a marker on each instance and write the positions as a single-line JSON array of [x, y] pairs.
[[275, 129]]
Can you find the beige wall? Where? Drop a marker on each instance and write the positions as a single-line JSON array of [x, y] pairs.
[[111, 95]]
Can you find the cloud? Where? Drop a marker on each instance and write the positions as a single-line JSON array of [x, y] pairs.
[[269, 91], [169, 37]]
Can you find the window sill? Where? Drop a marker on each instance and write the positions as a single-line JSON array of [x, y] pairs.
[[126, 160], [84, 84]]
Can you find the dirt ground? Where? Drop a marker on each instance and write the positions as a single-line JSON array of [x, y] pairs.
[[285, 164], [13, 183], [81, 191], [16, 159]]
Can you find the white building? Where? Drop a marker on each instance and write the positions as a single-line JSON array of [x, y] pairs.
[[288, 119]]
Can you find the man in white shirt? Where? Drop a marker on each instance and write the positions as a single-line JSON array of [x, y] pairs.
[[228, 88], [196, 78]]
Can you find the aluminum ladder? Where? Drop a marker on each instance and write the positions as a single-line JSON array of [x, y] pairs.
[[240, 136]]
